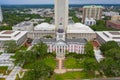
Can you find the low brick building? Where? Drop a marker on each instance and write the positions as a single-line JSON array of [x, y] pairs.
[[113, 24]]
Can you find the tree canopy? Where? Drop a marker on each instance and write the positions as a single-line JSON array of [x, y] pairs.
[[40, 49], [37, 52], [10, 46], [100, 26], [90, 65], [108, 45], [40, 71], [110, 65], [89, 49], [25, 56]]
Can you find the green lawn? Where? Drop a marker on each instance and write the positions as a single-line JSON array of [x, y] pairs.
[[69, 63], [71, 76], [27, 66], [3, 69], [72, 63], [2, 78], [22, 48], [50, 61], [0, 53]]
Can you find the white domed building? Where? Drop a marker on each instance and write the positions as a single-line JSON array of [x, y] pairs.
[[64, 37], [72, 39], [77, 30], [45, 27], [42, 30]]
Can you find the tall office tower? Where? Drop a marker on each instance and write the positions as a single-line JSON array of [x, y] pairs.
[[94, 12], [61, 14], [1, 16]]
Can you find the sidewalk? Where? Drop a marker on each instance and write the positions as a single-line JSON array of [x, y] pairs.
[[98, 55], [14, 72], [74, 69]]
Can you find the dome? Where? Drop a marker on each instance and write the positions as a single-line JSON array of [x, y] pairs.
[[77, 25], [44, 26], [60, 30]]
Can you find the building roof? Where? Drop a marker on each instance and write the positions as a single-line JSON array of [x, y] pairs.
[[11, 35], [79, 28], [89, 19], [76, 40], [92, 6], [23, 24], [67, 41], [48, 40], [115, 22], [95, 43], [109, 35], [71, 28], [44, 26]]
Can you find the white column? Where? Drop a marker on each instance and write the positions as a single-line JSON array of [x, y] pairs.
[[56, 49], [86, 14], [98, 17], [64, 49], [90, 12]]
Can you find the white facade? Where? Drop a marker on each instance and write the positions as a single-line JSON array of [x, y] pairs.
[[76, 30], [23, 26], [18, 36], [111, 13], [105, 36], [1, 16], [90, 21], [71, 28], [61, 13], [63, 48]]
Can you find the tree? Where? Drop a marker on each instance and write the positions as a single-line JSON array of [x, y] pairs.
[[74, 18], [89, 49], [20, 56], [110, 67], [90, 65], [113, 53], [48, 36], [10, 46], [108, 45], [40, 71], [100, 26], [40, 49], [107, 18], [25, 56], [5, 28]]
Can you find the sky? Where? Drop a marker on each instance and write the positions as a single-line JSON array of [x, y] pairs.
[[52, 1]]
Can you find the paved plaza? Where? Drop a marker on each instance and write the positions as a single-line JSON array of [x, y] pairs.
[[5, 60]]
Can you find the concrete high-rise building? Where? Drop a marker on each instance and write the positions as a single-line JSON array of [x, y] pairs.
[[1, 16], [61, 14], [94, 12]]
